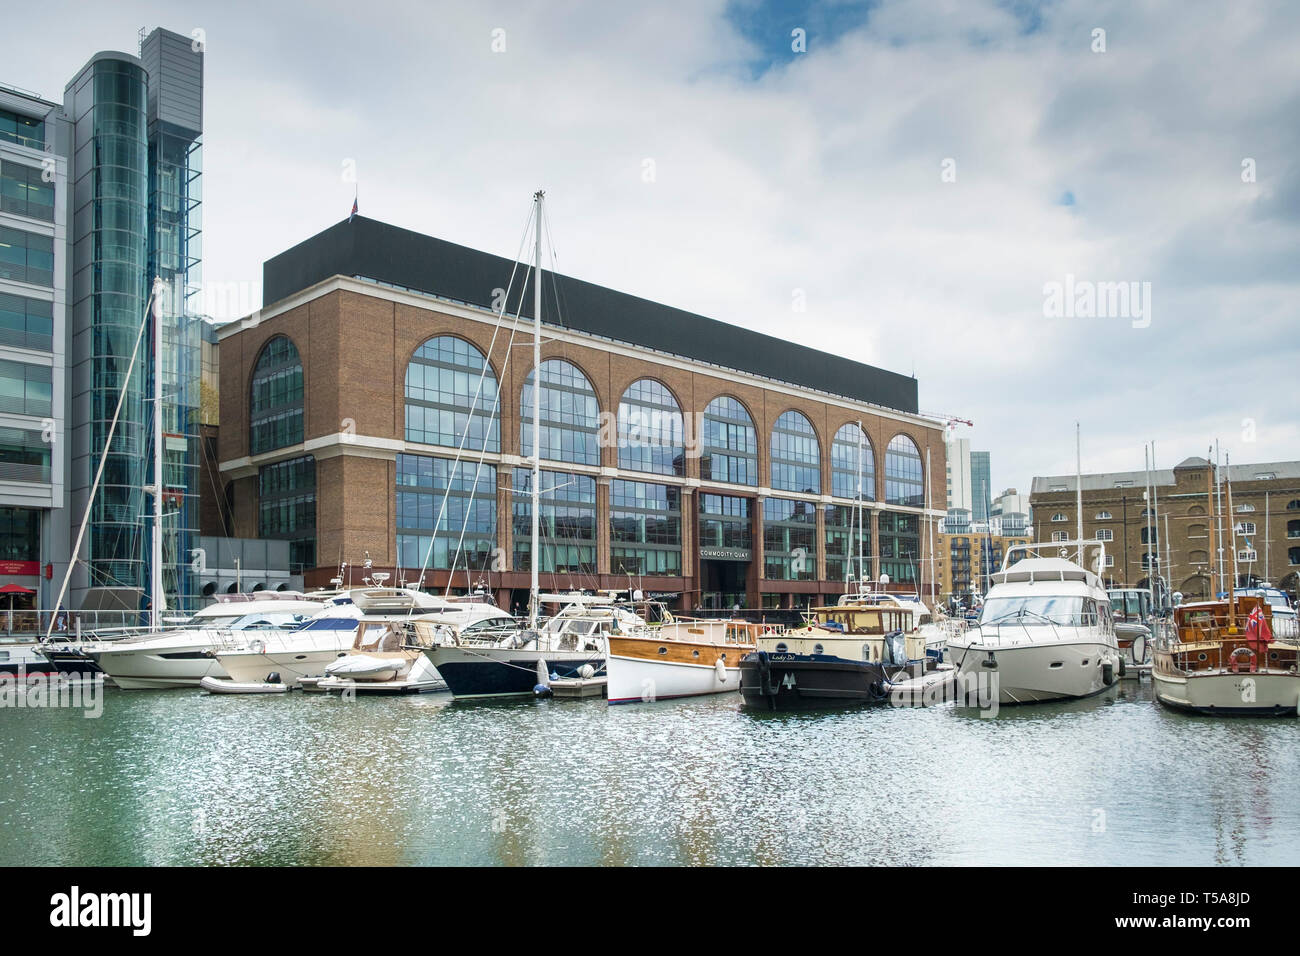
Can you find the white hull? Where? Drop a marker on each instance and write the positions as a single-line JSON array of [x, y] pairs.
[[159, 666], [1228, 693], [635, 679], [218, 685], [291, 665], [1035, 672]]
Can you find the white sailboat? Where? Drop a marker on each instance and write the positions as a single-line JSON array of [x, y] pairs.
[[574, 643]]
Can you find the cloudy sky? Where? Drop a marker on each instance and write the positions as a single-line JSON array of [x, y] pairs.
[[923, 171]]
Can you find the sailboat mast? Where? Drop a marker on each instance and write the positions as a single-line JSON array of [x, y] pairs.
[[537, 408], [929, 524], [156, 569], [861, 572], [1232, 590], [1210, 480]]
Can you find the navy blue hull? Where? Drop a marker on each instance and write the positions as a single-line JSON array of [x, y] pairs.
[[795, 682], [505, 678]]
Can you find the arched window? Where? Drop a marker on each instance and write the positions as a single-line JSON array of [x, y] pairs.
[[1059, 516], [442, 379], [1245, 509], [1105, 534], [904, 481], [570, 415], [1196, 510], [850, 451], [650, 431], [1104, 516], [276, 399], [1292, 505], [796, 455], [1149, 561], [1199, 557], [730, 444], [1198, 531]]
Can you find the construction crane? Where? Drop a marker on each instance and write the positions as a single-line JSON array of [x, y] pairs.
[[951, 421]]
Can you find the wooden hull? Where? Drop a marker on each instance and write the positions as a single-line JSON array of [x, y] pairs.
[[648, 669]]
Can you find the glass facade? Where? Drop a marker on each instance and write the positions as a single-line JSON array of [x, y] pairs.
[[26, 322], [904, 482], [24, 191], [570, 415], [286, 508], [851, 451], [26, 257], [448, 507], [651, 436], [22, 130], [842, 538], [449, 386], [789, 540], [645, 528], [796, 455], [110, 288], [567, 521], [275, 412], [729, 446], [900, 546], [175, 254], [725, 524], [24, 455], [26, 389]]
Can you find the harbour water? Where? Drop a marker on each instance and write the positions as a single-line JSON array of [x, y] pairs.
[[179, 777]]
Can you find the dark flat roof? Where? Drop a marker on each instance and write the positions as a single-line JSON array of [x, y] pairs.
[[376, 250]]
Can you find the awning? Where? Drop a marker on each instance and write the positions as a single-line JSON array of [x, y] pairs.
[[16, 589]]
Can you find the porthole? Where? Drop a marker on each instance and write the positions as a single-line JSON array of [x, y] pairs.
[[1085, 662], [663, 650], [818, 649], [781, 648], [1201, 656], [1056, 664], [695, 653]]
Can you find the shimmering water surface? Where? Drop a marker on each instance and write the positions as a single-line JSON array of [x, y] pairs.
[[180, 777]]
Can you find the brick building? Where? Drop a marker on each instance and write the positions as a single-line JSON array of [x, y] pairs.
[[692, 458], [1265, 512]]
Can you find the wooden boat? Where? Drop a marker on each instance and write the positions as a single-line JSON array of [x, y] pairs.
[[682, 658], [1217, 658], [850, 655]]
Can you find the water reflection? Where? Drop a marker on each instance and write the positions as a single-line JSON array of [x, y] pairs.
[[178, 777]]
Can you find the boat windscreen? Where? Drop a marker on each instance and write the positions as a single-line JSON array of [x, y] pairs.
[[1065, 611]]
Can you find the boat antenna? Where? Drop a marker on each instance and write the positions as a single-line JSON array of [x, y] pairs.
[[1078, 489], [103, 459]]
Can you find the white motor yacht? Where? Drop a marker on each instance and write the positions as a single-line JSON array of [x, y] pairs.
[[1045, 631], [181, 657]]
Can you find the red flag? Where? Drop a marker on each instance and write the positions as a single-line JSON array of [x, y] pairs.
[[1258, 631], [354, 210]]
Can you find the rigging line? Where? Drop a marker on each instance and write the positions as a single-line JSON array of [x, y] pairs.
[[496, 404], [469, 420], [103, 457]]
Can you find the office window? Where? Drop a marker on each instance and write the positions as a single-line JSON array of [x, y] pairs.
[[22, 130], [24, 192], [645, 528], [25, 322], [24, 455], [852, 463], [451, 388], [26, 257], [904, 480], [796, 455], [26, 389], [651, 436], [789, 540], [730, 445], [570, 414], [566, 521], [275, 416], [443, 506]]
